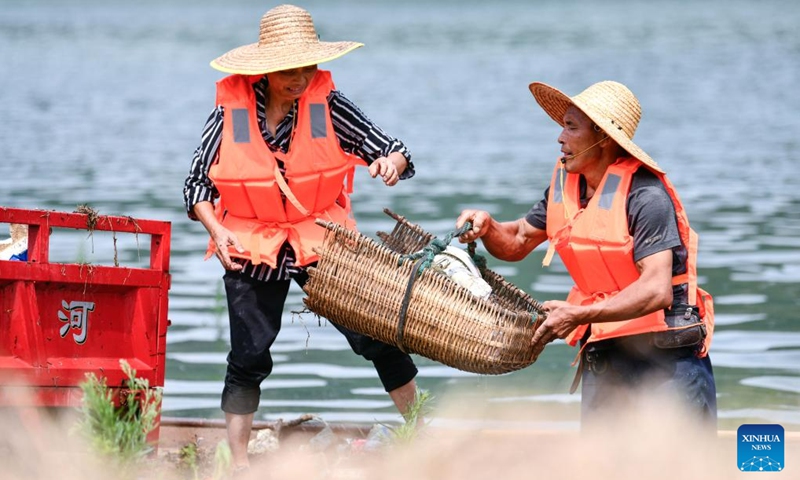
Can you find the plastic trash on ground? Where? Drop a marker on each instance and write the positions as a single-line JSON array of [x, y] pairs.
[[16, 246]]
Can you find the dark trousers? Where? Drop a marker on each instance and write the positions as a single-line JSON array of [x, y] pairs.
[[255, 309], [616, 369]]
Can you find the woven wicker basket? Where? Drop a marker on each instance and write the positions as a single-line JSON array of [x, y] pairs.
[[361, 284]]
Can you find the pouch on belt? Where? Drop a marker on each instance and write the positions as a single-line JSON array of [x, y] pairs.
[[685, 328]]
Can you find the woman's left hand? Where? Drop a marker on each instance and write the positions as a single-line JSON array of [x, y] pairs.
[[386, 167]]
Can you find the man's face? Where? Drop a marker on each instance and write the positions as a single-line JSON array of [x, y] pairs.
[[578, 141], [290, 84]]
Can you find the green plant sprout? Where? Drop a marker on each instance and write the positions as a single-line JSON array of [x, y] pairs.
[[119, 432], [414, 418]]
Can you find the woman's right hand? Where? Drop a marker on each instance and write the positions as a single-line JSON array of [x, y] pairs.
[[223, 238], [480, 220]]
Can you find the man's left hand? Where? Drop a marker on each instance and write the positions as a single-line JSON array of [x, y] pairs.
[[562, 318]]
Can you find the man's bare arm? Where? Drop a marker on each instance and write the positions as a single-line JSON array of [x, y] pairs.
[[509, 241]]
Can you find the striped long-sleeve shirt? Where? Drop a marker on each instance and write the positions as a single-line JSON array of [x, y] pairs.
[[356, 134]]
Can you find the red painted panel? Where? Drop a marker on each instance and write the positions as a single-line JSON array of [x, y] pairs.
[[60, 321]]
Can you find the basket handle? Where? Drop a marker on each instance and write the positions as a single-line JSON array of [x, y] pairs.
[[401, 322]]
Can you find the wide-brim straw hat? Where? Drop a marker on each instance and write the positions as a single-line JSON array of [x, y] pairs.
[[287, 40], [610, 105]]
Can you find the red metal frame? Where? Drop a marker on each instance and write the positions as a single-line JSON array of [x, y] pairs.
[[46, 309]]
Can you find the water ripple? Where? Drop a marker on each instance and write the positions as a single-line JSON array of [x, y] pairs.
[[750, 341], [781, 383]]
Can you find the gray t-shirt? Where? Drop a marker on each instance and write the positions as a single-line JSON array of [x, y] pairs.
[[651, 222]]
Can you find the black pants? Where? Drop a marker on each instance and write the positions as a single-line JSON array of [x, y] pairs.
[[255, 309]]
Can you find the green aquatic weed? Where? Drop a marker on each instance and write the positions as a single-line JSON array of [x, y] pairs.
[[119, 432]]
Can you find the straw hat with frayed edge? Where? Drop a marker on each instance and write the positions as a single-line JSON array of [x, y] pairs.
[[609, 104], [287, 40]]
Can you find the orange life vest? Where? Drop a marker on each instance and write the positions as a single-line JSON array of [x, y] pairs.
[[318, 174], [597, 249]]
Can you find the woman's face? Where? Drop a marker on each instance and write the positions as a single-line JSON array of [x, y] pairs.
[[290, 84]]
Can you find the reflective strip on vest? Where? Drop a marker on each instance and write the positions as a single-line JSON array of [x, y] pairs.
[[241, 125], [609, 191], [558, 193], [318, 125]]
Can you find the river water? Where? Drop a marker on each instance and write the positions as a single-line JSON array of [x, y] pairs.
[[103, 103]]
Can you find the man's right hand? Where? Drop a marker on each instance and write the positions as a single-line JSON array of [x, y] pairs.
[[480, 220], [223, 238], [510, 241]]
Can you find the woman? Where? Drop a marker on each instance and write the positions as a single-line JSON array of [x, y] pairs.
[[278, 152]]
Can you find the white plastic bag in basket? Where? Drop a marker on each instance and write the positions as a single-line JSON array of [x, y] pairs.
[[457, 264]]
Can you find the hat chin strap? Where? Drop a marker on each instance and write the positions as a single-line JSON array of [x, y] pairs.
[[568, 157]]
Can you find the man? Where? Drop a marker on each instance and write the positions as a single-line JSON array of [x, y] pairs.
[[278, 152], [619, 227]]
